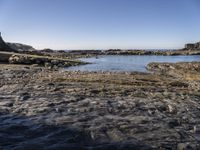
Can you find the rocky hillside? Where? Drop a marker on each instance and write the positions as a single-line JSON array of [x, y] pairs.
[[4, 46], [21, 47], [15, 47]]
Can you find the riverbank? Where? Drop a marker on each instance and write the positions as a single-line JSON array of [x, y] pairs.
[[54, 109]]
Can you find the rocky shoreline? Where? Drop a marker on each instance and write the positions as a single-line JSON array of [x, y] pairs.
[[55, 109], [91, 53], [49, 108], [74, 54]]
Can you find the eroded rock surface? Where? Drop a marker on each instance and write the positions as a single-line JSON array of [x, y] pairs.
[[41, 108]]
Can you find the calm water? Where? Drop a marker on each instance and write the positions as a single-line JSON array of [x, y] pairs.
[[128, 63]]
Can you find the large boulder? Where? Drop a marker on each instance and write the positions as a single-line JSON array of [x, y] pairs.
[[19, 59], [42, 61]]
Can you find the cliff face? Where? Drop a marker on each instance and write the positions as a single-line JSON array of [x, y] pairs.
[[4, 46], [14, 47]]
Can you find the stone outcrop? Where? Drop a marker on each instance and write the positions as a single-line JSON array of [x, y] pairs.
[[21, 47], [189, 46], [15, 47], [4, 46], [184, 70], [43, 61], [197, 45], [180, 66], [192, 45]]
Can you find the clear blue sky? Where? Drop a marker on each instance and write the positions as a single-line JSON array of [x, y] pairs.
[[100, 24]]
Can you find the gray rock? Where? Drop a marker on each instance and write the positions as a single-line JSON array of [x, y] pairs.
[[4, 46], [21, 47], [6, 103]]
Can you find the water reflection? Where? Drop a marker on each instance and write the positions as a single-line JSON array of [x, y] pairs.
[[128, 63]]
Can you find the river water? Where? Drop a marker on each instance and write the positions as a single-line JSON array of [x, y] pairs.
[[128, 63]]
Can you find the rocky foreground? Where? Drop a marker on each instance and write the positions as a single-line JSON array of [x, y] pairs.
[[53, 109]]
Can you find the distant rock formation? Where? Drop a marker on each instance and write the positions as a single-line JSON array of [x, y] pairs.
[[4, 46], [192, 45], [14, 47], [47, 50], [21, 47]]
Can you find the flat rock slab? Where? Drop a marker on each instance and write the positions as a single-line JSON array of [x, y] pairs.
[[52, 109]]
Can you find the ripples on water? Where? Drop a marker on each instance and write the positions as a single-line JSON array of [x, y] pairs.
[[128, 63]]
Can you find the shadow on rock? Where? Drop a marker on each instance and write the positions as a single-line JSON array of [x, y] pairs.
[[20, 133]]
